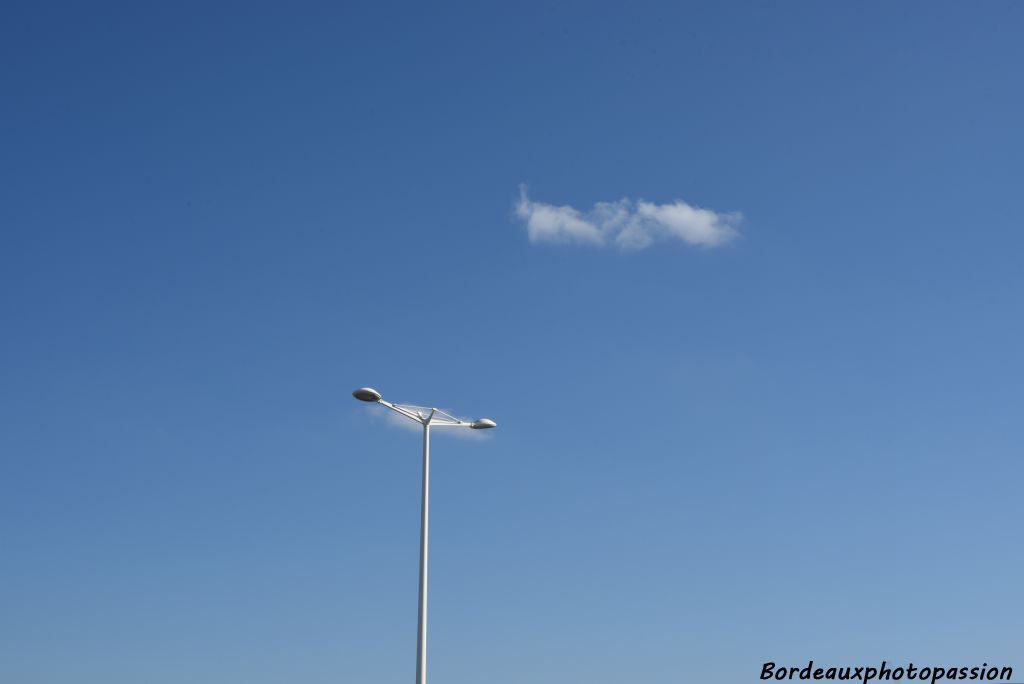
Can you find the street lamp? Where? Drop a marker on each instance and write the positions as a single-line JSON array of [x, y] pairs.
[[427, 417]]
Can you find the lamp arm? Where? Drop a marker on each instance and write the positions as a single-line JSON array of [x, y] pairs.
[[405, 412]]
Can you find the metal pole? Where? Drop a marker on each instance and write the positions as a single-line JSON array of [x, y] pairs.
[[421, 634]]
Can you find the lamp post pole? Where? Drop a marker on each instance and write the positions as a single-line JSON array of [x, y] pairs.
[[421, 628], [426, 417]]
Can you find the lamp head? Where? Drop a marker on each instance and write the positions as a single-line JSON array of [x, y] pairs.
[[366, 394], [483, 424]]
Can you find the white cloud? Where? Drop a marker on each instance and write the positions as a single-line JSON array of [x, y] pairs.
[[626, 224], [548, 223]]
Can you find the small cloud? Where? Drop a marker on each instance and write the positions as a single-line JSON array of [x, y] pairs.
[[392, 419], [626, 224], [548, 223]]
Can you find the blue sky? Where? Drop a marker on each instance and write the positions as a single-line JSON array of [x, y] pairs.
[[800, 439]]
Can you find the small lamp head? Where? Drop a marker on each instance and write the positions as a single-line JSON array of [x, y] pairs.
[[366, 394]]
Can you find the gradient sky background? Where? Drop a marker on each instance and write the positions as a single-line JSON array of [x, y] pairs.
[[219, 219]]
